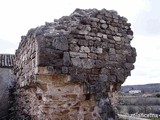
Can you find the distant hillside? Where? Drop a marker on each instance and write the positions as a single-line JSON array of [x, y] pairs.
[[148, 88]]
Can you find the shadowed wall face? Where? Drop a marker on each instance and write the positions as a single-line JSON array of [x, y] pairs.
[[88, 53], [6, 82]]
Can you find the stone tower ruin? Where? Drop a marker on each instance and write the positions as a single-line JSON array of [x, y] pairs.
[[69, 69]]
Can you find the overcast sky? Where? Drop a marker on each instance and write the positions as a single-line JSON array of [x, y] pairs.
[[18, 16]]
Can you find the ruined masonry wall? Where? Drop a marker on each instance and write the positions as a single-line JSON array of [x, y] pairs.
[[70, 68], [7, 79], [6, 82]]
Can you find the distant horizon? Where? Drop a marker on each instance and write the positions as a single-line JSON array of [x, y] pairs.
[[140, 84]]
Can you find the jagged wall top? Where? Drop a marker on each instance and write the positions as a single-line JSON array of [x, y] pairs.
[[89, 45], [73, 65]]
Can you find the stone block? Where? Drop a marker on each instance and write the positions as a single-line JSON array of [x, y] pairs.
[[112, 57], [129, 66], [88, 28], [96, 50], [78, 55], [66, 59], [102, 21], [97, 39], [74, 41], [60, 42], [105, 71], [112, 51], [83, 42], [92, 56], [99, 63], [99, 35], [82, 76], [83, 32], [103, 77], [130, 37], [90, 43], [116, 38], [84, 49], [87, 37], [105, 45], [104, 36], [88, 63], [65, 70], [104, 26], [97, 44], [76, 62], [93, 25], [74, 47], [94, 19]]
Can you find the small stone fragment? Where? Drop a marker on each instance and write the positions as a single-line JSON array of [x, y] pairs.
[[83, 32], [104, 26], [94, 19], [99, 34], [78, 55], [88, 63], [102, 21], [66, 58], [76, 62], [84, 49], [116, 38], [104, 36], [96, 50]]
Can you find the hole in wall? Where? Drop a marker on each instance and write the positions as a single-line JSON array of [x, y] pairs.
[[94, 114], [88, 96], [59, 89], [39, 97]]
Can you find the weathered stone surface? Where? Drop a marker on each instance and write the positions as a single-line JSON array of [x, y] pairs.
[[83, 32], [66, 59], [60, 42], [94, 19], [82, 42], [99, 64], [76, 62], [117, 38], [99, 34], [74, 48], [130, 37], [65, 70], [69, 69], [102, 21], [85, 49], [88, 63], [129, 66], [104, 36], [79, 55], [92, 55], [96, 50], [6, 83], [103, 77], [104, 26]]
